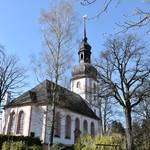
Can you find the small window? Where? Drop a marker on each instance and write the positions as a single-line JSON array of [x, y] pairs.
[[92, 129], [20, 123], [68, 127], [77, 124], [57, 130], [85, 127], [11, 127], [78, 85]]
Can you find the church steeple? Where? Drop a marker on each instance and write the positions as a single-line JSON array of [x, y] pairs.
[[85, 38], [84, 49], [84, 75]]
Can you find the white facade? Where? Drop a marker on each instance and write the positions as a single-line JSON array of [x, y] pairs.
[[16, 110], [86, 88], [36, 121]]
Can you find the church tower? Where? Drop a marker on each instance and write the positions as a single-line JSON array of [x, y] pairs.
[[84, 75]]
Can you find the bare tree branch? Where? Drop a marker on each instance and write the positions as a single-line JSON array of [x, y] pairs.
[[104, 9]]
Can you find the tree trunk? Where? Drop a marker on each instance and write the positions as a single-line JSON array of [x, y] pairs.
[[52, 127], [55, 99], [101, 119], [104, 120], [53, 114], [129, 138]]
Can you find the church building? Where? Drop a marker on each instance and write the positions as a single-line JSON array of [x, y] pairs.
[[76, 111]]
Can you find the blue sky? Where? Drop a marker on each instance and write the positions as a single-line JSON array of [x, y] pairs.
[[20, 30]]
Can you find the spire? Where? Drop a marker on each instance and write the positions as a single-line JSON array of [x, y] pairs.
[[84, 19], [84, 49]]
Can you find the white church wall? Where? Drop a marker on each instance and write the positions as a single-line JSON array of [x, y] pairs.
[[16, 110], [5, 118], [73, 115], [86, 89], [90, 89], [38, 121], [27, 111]]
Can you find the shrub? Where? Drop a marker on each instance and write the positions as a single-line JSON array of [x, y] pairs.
[[13, 146], [6, 146], [91, 143], [29, 141]]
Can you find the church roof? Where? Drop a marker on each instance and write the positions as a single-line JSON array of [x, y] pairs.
[[84, 69], [41, 95]]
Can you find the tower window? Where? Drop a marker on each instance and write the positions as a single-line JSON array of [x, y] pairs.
[[81, 56], [78, 84]]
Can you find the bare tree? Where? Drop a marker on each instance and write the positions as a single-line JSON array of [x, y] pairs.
[[124, 69], [140, 18], [12, 75], [105, 105], [58, 26]]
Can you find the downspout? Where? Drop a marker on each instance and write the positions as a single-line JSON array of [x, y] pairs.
[[30, 121], [45, 123]]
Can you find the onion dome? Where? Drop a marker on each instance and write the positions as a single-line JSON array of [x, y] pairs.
[[84, 70]]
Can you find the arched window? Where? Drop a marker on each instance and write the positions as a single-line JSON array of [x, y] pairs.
[[68, 127], [78, 85], [57, 127], [92, 129], [85, 127], [20, 122], [77, 124], [12, 123]]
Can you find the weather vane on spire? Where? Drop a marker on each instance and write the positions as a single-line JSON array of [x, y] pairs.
[[84, 19]]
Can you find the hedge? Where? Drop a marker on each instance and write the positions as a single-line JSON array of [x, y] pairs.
[[27, 140], [19, 146]]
